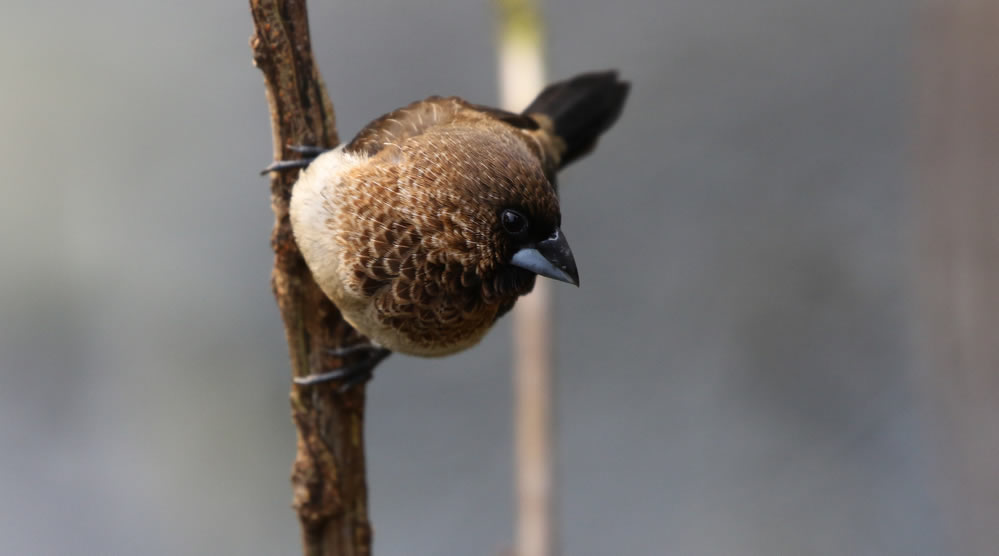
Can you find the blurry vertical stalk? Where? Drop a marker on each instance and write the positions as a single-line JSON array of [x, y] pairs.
[[521, 77], [958, 214]]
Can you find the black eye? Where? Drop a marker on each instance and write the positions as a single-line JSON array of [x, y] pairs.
[[514, 222]]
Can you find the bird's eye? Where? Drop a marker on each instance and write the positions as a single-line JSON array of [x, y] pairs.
[[514, 222]]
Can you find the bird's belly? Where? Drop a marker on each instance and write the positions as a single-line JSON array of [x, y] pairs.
[[413, 334]]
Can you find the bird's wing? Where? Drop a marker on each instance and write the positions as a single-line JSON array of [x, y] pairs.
[[415, 119], [536, 130], [408, 121], [519, 121]]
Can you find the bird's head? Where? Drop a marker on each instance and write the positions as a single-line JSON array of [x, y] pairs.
[[497, 208]]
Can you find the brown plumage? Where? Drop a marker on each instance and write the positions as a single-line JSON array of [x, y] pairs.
[[429, 224]]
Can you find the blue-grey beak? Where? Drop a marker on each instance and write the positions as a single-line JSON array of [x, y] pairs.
[[551, 258]]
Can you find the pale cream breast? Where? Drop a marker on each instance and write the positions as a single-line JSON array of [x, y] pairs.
[[313, 210]]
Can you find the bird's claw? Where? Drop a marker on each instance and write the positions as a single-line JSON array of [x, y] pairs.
[[344, 351], [348, 375], [309, 152]]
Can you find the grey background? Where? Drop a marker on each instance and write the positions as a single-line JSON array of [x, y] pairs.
[[734, 374]]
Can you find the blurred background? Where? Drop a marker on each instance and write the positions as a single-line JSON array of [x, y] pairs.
[[738, 373]]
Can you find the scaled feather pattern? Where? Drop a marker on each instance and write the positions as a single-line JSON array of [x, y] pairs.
[[436, 217]]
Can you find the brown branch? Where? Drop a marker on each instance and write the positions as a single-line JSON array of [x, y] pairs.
[[328, 476]]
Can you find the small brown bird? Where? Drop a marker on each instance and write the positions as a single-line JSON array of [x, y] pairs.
[[436, 217]]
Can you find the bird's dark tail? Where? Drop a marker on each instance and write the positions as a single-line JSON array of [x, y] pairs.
[[581, 108]]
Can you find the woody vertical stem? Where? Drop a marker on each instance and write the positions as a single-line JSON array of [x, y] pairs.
[[328, 476]]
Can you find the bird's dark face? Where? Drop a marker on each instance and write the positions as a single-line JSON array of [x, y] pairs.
[[521, 207], [535, 242]]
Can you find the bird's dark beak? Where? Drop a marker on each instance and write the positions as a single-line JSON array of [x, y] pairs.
[[551, 258]]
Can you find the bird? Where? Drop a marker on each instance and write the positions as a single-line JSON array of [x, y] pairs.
[[428, 225]]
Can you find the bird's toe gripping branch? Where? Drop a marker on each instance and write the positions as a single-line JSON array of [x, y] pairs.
[[308, 152], [349, 375]]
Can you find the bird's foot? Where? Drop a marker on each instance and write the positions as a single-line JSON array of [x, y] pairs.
[[308, 152], [349, 375], [360, 347]]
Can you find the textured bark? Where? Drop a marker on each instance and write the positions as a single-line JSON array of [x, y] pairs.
[[328, 476], [959, 263]]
